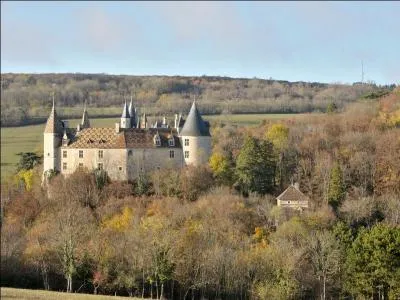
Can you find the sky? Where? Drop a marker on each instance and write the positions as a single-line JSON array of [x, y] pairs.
[[295, 41]]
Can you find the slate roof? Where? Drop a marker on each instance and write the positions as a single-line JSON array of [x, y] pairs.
[[194, 124], [125, 112], [292, 194], [107, 138]]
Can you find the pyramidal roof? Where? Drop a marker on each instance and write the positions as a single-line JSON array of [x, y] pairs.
[[194, 124], [125, 112], [53, 125]]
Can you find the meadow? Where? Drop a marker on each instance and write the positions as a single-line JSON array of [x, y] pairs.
[[25, 294], [30, 138]]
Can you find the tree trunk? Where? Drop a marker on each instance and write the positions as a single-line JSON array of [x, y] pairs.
[[162, 291], [143, 283], [157, 289], [95, 290], [69, 283], [151, 290], [45, 277], [324, 290]]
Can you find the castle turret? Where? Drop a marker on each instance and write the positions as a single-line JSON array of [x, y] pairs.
[[195, 138], [132, 113], [125, 118], [53, 133], [85, 123], [144, 121]]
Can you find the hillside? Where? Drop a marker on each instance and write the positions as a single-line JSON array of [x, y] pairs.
[[26, 98]]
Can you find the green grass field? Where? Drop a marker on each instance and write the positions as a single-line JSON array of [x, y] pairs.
[[22, 294], [30, 138]]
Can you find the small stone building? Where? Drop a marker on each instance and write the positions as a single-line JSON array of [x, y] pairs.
[[292, 197]]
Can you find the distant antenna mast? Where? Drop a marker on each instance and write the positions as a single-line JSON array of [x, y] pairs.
[[362, 72]]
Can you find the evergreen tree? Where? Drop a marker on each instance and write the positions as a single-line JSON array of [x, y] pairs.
[[336, 191], [28, 160], [255, 167], [373, 263]]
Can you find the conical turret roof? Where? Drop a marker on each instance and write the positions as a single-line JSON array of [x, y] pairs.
[[85, 118], [53, 125], [125, 112], [194, 124], [131, 109]]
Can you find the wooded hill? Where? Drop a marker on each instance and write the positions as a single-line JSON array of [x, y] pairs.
[[26, 98]]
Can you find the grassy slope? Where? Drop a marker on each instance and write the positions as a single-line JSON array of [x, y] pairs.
[[30, 138], [10, 293]]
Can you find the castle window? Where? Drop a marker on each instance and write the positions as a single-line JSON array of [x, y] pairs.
[[64, 166], [80, 153], [130, 153], [171, 154], [120, 168], [157, 140], [186, 142], [186, 154], [100, 166], [65, 154], [100, 153], [171, 142], [80, 165], [48, 154]]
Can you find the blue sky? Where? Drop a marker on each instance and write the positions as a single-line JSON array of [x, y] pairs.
[[308, 41]]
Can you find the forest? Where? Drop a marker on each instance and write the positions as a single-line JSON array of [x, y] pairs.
[[26, 98], [215, 232]]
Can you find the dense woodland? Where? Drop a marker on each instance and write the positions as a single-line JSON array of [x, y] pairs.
[[26, 98], [215, 232]]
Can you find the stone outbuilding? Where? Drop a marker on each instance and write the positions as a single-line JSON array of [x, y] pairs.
[[292, 197]]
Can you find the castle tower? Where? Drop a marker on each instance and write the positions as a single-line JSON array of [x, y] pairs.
[[132, 113], [52, 140], [195, 138], [125, 118]]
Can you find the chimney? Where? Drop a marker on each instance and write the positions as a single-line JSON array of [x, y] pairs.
[[297, 186], [176, 121], [117, 127]]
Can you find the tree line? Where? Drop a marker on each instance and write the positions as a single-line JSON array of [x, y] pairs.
[[26, 98], [215, 232]]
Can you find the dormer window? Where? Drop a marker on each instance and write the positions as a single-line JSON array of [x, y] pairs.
[[171, 142], [157, 140]]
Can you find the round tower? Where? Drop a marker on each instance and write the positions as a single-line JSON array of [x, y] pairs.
[[195, 139], [52, 141]]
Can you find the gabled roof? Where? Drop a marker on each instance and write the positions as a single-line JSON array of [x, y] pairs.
[[292, 194], [194, 124], [53, 125]]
